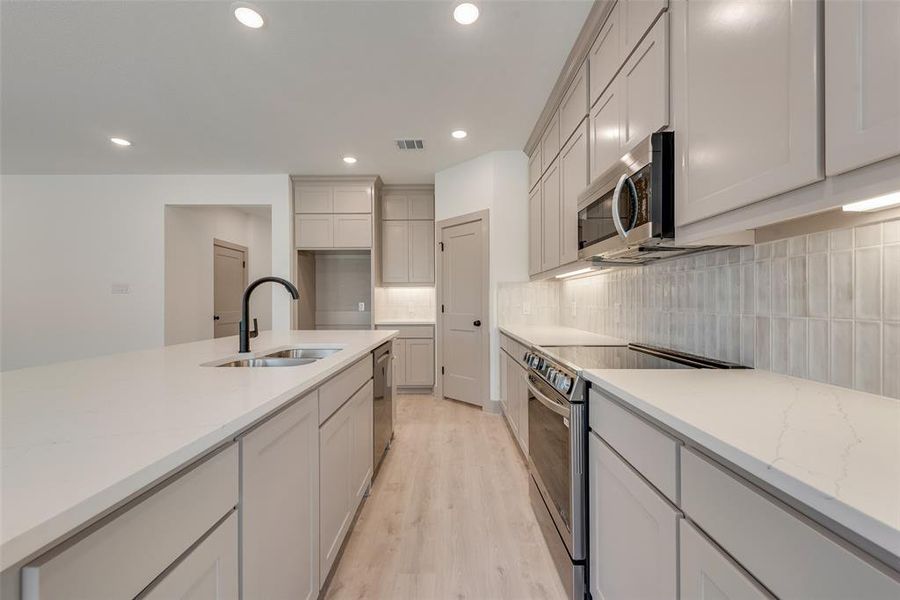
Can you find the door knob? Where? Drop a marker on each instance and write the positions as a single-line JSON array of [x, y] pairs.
[[477, 323], [215, 317]]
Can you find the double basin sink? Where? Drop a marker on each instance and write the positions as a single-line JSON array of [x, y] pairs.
[[289, 357]]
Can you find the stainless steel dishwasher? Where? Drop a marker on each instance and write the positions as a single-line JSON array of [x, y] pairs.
[[383, 404]]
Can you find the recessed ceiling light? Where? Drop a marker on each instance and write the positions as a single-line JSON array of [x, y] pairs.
[[465, 13], [350, 160], [247, 15], [119, 141], [459, 134]]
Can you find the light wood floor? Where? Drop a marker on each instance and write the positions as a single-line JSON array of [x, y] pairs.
[[449, 515]]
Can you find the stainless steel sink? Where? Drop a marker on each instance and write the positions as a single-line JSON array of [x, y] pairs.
[[269, 362], [310, 353]]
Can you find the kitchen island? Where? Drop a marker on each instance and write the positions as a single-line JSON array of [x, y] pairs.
[[83, 439]]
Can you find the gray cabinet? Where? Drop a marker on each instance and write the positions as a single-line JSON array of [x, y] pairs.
[[709, 574], [534, 167], [336, 487], [413, 355], [352, 230], [604, 58], [550, 143], [574, 106], [333, 213], [573, 179], [604, 133], [534, 231], [514, 391], [407, 252], [550, 214], [314, 231], [408, 205], [421, 251], [280, 503]]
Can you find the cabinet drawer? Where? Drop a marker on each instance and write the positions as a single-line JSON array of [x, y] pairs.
[[127, 552], [313, 199], [411, 331], [314, 231], [353, 231], [352, 199], [338, 390], [653, 453], [787, 554]]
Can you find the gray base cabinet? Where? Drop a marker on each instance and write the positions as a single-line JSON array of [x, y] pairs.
[[280, 506], [413, 356], [514, 390], [708, 574]]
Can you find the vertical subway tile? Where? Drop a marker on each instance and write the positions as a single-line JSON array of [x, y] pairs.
[[892, 282], [797, 286], [748, 289], [817, 286], [841, 283], [867, 283], [891, 232], [733, 331], [734, 256], [841, 239], [817, 242], [733, 291], [780, 340], [747, 254], [748, 337], [841, 349], [780, 249], [763, 288], [798, 355], [780, 287], [797, 246], [762, 346], [867, 235], [724, 340], [763, 251], [891, 360], [867, 356], [817, 369]]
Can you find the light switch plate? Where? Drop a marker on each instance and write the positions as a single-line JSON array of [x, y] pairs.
[[362, 307]]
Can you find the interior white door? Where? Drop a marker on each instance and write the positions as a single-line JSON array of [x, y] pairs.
[[229, 281], [862, 83], [462, 286]]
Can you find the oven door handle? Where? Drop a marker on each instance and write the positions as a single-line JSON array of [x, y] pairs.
[[554, 406]]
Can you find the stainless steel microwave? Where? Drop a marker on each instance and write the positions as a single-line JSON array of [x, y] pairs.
[[630, 215]]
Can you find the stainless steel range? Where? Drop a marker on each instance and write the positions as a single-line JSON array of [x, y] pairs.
[[557, 440]]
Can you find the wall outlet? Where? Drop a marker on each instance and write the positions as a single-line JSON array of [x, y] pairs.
[[362, 307], [526, 308], [118, 289]]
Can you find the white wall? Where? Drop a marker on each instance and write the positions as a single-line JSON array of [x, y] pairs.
[[66, 239], [497, 181], [189, 277]]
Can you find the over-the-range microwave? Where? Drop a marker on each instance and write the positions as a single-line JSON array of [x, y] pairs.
[[628, 216]]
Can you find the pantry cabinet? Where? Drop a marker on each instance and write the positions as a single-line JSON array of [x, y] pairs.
[[862, 83], [407, 236], [550, 214], [746, 102], [280, 503]]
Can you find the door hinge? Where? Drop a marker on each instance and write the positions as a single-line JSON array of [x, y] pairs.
[[442, 370], [442, 308], [244, 263], [442, 246]]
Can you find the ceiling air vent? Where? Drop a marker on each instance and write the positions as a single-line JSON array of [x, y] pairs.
[[410, 144]]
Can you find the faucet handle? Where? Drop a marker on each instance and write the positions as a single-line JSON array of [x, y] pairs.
[[255, 331]]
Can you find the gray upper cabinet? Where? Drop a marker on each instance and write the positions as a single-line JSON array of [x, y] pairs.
[[862, 83], [638, 17], [550, 143], [407, 235], [534, 231], [333, 212], [604, 59], [644, 87], [573, 176], [604, 132], [746, 104], [352, 199], [550, 213], [534, 166], [313, 199], [574, 105]]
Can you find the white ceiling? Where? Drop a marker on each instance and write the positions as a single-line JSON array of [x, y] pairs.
[[199, 93]]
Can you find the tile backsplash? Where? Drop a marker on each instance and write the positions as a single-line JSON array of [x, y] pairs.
[[413, 303], [823, 306]]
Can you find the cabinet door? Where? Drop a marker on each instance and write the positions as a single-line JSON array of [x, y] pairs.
[[534, 166], [352, 199], [633, 532], [421, 251], [534, 231], [421, 206], [746, 102], [280, 504], [574, 105], [395, 245], [550, 212], [361, 438], [353, 231], [707, 574], [862, 83], [420, 362], [637, 17], [645, 87], [604, 127], [604, 58], [515, 390], [521, 376], [504, 383], [208, 572], [573, 177], [395, 206], [314, 231], [313, 199], [399, 372], [550, 143], [335, 491]]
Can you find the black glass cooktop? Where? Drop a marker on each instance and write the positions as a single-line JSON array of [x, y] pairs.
[[633, 356]]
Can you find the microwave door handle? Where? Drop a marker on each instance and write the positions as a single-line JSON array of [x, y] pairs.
[[554, 406], [616, 216]]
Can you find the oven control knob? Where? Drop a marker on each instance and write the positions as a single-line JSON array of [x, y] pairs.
[[564, 384]]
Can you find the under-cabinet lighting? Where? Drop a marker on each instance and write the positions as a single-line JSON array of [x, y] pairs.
[[574, 273], [876, 203]]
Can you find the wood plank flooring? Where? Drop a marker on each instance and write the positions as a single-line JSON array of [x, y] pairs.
[[449, 515]]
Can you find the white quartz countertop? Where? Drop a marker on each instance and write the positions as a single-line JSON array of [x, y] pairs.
[[80, 438], [556, 335], [833, 450]]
